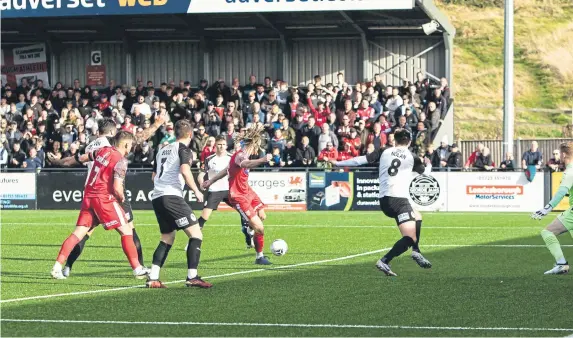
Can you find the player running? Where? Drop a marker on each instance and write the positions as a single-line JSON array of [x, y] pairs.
[[103, 194], [564, 222], [107, 130], [242, 197], [219, 191], [171, 172], [395, 171]]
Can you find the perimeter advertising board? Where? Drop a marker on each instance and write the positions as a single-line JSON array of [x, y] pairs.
[[555, 183], [48, 8], [494, 191], [17, 191]]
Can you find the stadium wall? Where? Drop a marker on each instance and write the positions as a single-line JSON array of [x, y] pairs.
[[302, 190]]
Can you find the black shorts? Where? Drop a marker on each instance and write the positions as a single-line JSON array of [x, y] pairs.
[[397, 208], [214, 198], [126, 206], [173, 213]]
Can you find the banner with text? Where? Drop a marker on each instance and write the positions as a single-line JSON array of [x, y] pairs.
[[47, 8], [330, 191], [555, 183], [95, 75], [494, 191], [284, 191], [28, 62], [426, 193], [17, 191]]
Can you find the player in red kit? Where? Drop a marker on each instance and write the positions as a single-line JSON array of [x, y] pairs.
[[241, 196], [103, 195]]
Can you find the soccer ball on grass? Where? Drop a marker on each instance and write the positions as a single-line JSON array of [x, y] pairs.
[[279, 247]]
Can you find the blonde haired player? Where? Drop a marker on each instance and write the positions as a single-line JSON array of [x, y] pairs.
[[564, 222]]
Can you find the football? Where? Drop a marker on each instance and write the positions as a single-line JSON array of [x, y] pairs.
[[279, 247]]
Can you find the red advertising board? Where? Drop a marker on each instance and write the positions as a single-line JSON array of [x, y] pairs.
[[95, 75]]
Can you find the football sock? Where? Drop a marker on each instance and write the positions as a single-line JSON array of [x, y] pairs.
[[67, 248], [399, 248], [259, 240], [137, 243], [245, 230], [76, 252], [202, 222], [415, 247], [193, 256], [553, 245], [130, 251], [159, 257]]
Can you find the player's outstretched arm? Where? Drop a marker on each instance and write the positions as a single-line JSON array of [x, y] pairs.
[[147, 133], [119, 172], [69, 161], [564, 188], [249, 164], [209, 182], [373, 157], [420, 167]]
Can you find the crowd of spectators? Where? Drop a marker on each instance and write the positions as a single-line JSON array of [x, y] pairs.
[[304, 126]]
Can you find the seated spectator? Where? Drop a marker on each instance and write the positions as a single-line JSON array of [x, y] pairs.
[[483, 161], [348, 152], [305, 155], [365, 112], [325, 137], [507, 164], [92, 120], [209, 149], [40, 153], [277, 142], [144, 155], [394, 101], [441, 155], [142, 107], [170, 136], [455, 160], [276, 160], [429, 152], [289, 154], [532, 157], [378, 138], [555, 164], [17, 156], [32, 163], [104, 105], [472, 159], [327, 154]]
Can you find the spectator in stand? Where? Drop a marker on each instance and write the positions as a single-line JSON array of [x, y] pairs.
[[127, 125], [441, 155], [507, 164], [423, 118], [349, 151], [17, 157], [311, 131], [391, 140], [289, 154], [445, 90], [199, 140], [150, 96], [362, 132], [209, 149], [395, 101], [555, 164], [144, 155], [85, 108], [455, 160], [321, 113], [414, 97], [434, 115], [4, 154], [327, 154], [276, 160], [325, 137], [365, 112], [532, 157], [13, 135], [422, 86], [473, 156], [104, 106], [305, 155], [32, 163], [289, 134], [137, 117], [144, 108], [343, 130], [170, 137], [483, 161], [378, 138], [411, 119], [441, 103], [92, 120], [347, 112], [402, 124]]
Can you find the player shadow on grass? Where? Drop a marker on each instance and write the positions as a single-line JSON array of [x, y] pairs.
[[501, 285]]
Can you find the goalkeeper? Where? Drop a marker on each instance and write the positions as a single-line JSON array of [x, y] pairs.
[[564, 222]]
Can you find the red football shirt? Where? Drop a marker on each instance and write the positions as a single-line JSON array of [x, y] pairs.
[[100, 180], [238, 177]]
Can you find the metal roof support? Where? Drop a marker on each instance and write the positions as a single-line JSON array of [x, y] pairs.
[[127, 61], [366, 66], [205, 49], [449, 43], [402, 59]]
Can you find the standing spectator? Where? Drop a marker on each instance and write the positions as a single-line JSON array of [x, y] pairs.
[[411, 119], [311, 131], [507, 164], [278, 141], [343, 130], [289, 134], [325, 137], [170, 137], [213, 124], [402, 125], [441, 103], [3, 153], [434, 115], [289, 154], [365, 112], [532, 157], [441, 155], [209, 149], [150, 96], [394, 101], [144, 155], [305, 155], [17, 157], [230, 135], [199, 140], [415, 98], [348, 152], [33, 163], [483, 161], [327, 154], [378, 138], [555, 164], [144, 108], [473, 156], [321, 113], [445, 90], [455, 159], [13, 135], [118, 95], [422, 86]]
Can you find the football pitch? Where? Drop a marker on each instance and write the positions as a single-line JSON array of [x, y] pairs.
[[486, 280]]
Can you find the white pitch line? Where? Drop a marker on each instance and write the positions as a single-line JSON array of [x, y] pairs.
[[333, 326], [491, 245], [210, 277], [313, 226]]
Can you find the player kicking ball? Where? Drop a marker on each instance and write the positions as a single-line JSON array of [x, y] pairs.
[[241, 196], [395, 173], [103, 194], [171, 172], [564, 222], [219, 191]]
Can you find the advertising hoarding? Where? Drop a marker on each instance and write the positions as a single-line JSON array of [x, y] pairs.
[[17, 191]]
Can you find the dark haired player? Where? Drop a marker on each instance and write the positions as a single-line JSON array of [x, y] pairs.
[[107, 130], [395, 173], [103, 192], [171, 172]]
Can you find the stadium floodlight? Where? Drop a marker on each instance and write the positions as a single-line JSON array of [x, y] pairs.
[[150, 30], [10, 32], [72, 31], [312, 27], [430, 27], [229, 28]]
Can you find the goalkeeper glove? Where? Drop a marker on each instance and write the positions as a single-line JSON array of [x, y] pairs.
[[542, 213]]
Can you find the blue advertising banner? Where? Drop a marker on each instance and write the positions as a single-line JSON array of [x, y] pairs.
[[330, 191], [48, 8]]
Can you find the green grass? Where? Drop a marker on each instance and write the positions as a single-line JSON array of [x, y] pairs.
[[469, 286]]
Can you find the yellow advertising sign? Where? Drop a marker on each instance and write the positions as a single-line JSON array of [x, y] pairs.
[[555, 182]]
